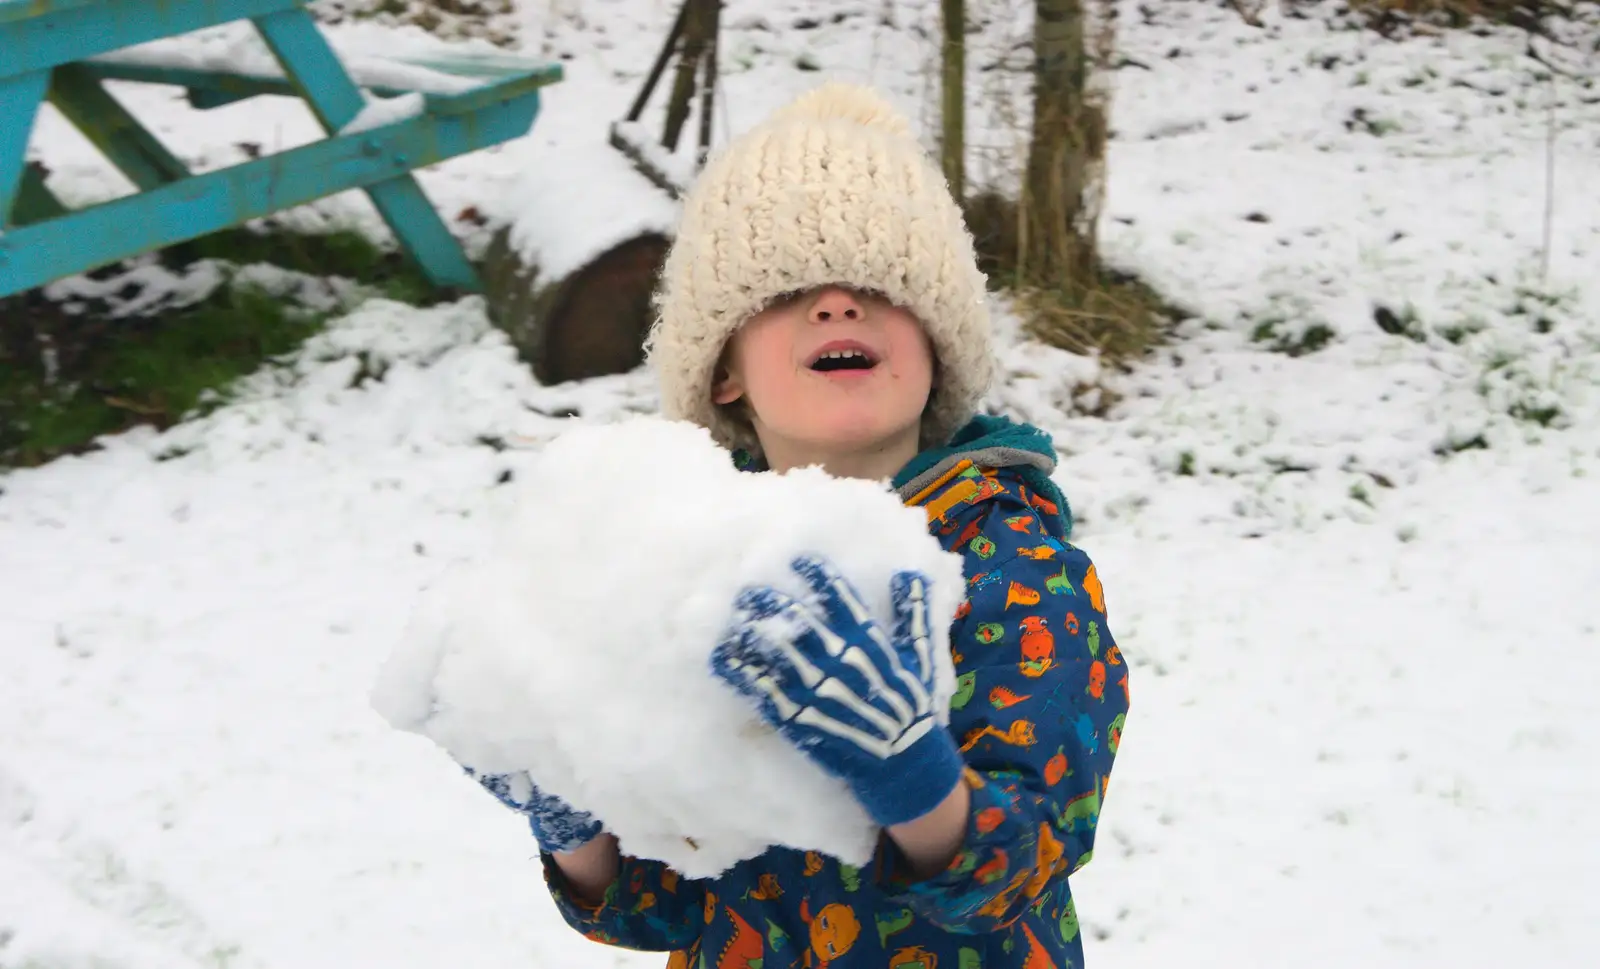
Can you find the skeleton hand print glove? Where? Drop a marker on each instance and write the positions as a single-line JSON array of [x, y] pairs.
[[557, 826], [857, 702]]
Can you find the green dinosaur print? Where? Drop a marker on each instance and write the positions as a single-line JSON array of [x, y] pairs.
[[1039, 903], [968, 959], [850, 875], [1081, 813], [965, 863], [981, 547], [990, 632], [1114, 732], [1059, 583], [892, 924], [1069, 922], [1094, 638], [965, 684], [776, 938]]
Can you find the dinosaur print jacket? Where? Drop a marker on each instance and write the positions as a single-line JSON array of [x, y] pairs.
[[1041, 700]]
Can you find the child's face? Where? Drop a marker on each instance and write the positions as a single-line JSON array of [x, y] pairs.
[[807, 400]]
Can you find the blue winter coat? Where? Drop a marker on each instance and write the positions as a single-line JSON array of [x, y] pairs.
[[1042, 696]]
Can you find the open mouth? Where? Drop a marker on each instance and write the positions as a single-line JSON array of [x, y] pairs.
[[832, 361]]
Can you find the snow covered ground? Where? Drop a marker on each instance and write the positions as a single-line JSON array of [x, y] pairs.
[[1357, 582]]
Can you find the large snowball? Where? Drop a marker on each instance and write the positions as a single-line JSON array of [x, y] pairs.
[[578, 649]]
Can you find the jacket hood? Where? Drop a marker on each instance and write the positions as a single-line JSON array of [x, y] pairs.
[[991, 442]]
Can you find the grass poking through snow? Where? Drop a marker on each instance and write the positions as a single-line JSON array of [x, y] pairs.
[[165, 338]]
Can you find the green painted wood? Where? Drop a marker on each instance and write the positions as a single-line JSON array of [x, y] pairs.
[[312, 67], [35, 202], [13, 10], [315, 70], [34, 254], [209, 89], [19, 104], [475, 99], [64, 33], [109, 127]]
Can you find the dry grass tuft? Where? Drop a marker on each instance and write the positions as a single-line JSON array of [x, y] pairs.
[[1112, 314]]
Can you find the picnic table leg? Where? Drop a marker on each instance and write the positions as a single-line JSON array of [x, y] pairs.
[[19, 102], [137, 153], [35, 202], [315, 70]]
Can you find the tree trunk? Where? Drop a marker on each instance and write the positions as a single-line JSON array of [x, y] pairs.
[[953, 80], [1056, 241]]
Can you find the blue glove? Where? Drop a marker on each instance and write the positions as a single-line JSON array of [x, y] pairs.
[[858, 703], [557, 826]]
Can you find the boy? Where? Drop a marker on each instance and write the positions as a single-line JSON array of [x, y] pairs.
[[822, 305]]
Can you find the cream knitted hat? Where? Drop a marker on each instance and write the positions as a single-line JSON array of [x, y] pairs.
[[832, 189]]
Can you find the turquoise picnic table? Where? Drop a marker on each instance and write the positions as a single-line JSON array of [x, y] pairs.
[[383, 116]]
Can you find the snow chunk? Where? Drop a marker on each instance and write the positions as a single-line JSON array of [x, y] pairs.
[[380, 112], [578, 650]]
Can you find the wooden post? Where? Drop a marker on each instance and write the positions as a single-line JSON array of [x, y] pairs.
[[953, 89], [693, 49], [660, 65], [708, 82], [1064, 152]]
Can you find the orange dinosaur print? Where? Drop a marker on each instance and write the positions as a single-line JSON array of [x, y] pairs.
[[1056, 768], [1097, 594], [1019, 734], [987, 488], [1051, 861], [833, 932], [1038, 647], [1020, 523], [679, 960], [1037, 957], [989, 818], [972, 531], [992, 870], [1040, 553], [1070, 624], [711, 907], [1124, 684], [669, 880], [813, 863], [766, 889], [1097, 680], [745, 949], [1043, 504], [1114, 656], [1020, 594], [964, 609], [1003, 696], [913, 957]]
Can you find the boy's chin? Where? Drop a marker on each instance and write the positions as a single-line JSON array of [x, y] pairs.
[[854, 435]]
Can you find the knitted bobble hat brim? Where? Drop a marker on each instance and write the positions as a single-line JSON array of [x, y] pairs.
[[830, 190]]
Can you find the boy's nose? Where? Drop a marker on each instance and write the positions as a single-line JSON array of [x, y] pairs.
[[835, 303]]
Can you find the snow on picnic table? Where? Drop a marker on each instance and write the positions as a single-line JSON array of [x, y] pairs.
[[1357, 583]]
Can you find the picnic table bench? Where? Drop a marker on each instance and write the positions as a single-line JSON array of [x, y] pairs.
[[426, 109]]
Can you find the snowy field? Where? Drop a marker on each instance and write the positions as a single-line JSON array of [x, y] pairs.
[[1357, 583]]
